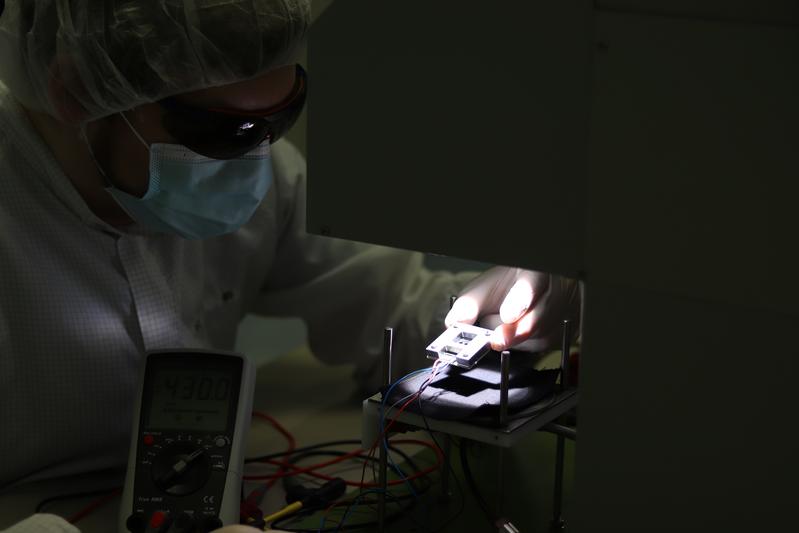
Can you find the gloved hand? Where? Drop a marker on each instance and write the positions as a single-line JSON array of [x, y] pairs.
[[525, 309]]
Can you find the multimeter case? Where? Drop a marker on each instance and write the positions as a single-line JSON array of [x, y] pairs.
[[229, 507]]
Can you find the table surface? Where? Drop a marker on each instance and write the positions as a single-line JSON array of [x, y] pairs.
[[318, 403]]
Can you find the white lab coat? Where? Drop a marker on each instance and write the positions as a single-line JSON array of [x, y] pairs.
[[81, 301]]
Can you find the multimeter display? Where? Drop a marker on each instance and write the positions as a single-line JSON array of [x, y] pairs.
[[197, 400]]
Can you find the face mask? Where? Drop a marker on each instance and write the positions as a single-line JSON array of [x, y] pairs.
[[195, 196]]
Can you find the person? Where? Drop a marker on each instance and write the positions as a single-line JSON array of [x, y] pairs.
[[147, 201]]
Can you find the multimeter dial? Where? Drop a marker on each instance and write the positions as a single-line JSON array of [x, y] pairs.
[[181, 469]]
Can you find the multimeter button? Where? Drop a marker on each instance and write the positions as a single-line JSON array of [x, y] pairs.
[[148, 440], [135, 523], [210, 523], [158, 521], [220, 442]]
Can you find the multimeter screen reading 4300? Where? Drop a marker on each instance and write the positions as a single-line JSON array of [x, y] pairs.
[[196, 400]]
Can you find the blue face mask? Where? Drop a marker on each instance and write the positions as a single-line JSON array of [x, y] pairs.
[[195, 196]]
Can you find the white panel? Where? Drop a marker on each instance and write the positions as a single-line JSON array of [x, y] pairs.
[[452, 127], [694, 171]]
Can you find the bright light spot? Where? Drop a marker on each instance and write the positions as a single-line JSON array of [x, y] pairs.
[[517, 301], [465, 310]]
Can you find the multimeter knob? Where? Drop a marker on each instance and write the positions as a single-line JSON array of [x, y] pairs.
[[181, 469]]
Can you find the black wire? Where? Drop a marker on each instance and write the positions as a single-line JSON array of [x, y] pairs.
[[278, 524], [72, 496], [384, 438], [339, 453], [303, 449], [467, 473], [451, 470], [370, 503], [371, 459], [311, 453]]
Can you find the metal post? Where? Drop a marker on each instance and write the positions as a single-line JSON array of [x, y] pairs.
[[504, 363], [557, 500], [564, 355], [447, 452], [388, 349], [557, 497], [388, 352]]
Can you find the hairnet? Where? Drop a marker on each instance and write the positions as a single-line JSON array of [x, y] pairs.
[[112, 55]]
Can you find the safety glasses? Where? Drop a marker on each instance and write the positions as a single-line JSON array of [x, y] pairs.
[[225, 133]]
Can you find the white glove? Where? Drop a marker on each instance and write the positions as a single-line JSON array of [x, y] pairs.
[[42, 523], [521, 306]]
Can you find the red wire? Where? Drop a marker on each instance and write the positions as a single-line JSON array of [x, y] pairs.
[[396, 416], [289, 437], [406, 404], [311, 470], [286, 468], [308, 469], [254, 496], [102, 500]]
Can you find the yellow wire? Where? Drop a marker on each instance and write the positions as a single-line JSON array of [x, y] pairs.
[[287, 510]]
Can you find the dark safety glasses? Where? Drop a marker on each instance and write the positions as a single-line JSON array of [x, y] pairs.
[[225, 133]]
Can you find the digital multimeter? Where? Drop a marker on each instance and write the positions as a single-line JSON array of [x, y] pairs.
[[187, 450]]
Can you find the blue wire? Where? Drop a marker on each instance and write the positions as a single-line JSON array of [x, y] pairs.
[[382, 426], [354, 504], [385, 446]]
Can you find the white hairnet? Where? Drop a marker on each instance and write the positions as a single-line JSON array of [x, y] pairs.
[[112, 55]]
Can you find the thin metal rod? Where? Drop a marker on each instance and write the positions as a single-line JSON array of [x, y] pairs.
[[388, 349], [504, 363], [557, 497], [446, 443], [500, 481], [383, 482], [564, 355], [388, 353]]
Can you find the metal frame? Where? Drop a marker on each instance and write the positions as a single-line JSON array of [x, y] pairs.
[[505, 436]]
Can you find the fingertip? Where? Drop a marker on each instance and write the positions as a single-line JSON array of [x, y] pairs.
[[464, 310], [506, 336], [517, 301], [498, 341]]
